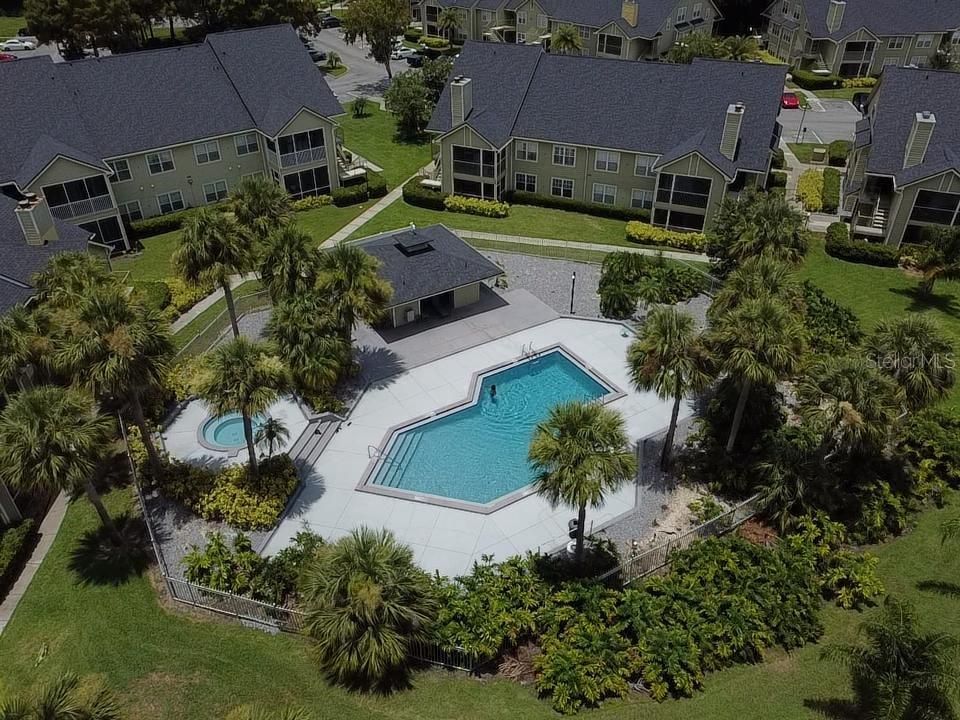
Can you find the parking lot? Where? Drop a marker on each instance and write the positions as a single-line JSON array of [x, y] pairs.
[[825, 121]]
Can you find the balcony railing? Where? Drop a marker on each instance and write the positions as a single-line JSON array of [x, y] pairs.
[[80, 208], [303, 157]]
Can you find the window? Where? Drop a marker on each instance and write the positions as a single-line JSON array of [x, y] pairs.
[[955, 38], [107, 230], [585, 33], [604, 194], [681, 13], [521, 38], [526, 151], [564, 155], [82, 193], [526, 183], [607, 161], [697, 10], [887, 62], [521, 17], [307, 183], [796, 11], [121, 170], [644, 166], [246, 144], [542, 22], [160, 162], [485, 16], [936, 207], [215, 191], [207, 152], [561, 187], [301, 142], [683, 190], [895, 43], [473, 161], [918, 60], [924, 41], [609, 44], [786, 8], [641, 199], [251, 176], [131, 211], [170, 202]]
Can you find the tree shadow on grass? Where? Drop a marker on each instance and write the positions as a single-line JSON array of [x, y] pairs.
[[945, 303], [833, 708], [99, 559], [940, 587]]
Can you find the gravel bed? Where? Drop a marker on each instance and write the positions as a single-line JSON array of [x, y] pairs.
[[550, 280]]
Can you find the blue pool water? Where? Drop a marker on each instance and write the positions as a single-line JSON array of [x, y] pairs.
[[227, 430], [479, 453]]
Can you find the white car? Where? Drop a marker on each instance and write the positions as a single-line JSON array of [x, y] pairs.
[[18, 44], [402, 53]]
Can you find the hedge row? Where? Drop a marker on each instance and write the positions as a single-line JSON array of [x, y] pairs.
[[645, 234], [840, 246], [374, 187], [779, 161], [811, 81], [416, 194], [412, 34], [830, 199], [16, 542], [476, 206], [838, 151], [778, 179], [810, 190], [518, 197]]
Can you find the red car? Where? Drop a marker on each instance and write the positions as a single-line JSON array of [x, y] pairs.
[[7, 57], [789, 101]]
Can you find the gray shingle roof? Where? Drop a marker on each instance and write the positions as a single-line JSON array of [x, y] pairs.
[[450, 263], [96, 108], [904, 92], [657, 108], [884, 17]]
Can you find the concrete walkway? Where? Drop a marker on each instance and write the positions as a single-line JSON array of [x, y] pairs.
[[217, 295], [48, 532], [368, 214]]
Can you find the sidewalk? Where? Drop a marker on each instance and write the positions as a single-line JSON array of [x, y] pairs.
[[184, 320], [48, 532]]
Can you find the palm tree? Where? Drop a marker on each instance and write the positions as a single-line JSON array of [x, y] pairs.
[[333, 60], [566, 40], [262, 712], [448, 22], [24, 343], [912, 351], [366, 602], [579, 454], [115, 346], [290, 263], [261, 206], [760, 223], [62, 699], [244, 377], [671, 359], [214, 246], [271, 434], [755, 277], [68, 275], [353, 289], [950, 529], [54, 438], [758, 342], [309, 341], [792, 476], [901, 673], [740, 48], [940, 259]]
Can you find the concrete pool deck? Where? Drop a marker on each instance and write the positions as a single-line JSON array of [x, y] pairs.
[[447, 539]]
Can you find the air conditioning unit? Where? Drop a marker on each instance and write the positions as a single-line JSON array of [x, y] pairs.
[[411, 315]]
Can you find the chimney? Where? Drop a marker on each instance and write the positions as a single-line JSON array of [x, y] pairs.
[[461, 99], [35, 220], [923, 127], [628, 11], [835, 14], [731, 131]]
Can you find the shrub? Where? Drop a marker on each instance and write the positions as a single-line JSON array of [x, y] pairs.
[[812, 81], [778, 179], [360, 106], [311, 202], [412, 34], [434, 43], [859, 82], [476, 206], [810, 190], [350, 195], [838, 151], [830, 199], [838, 232], [930, 443], [779, 161], [629, 277], [158, 224], [705, 509], [416, 194], [645, 234], [518, 197], [16, 541], [376, 184], [184, 295], [832, 327], [155, 294], [861, 251]]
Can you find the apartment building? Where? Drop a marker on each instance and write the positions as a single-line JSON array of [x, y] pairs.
[[626, 29], [905, 167], [98, 142], [855, 38], [673, 139]]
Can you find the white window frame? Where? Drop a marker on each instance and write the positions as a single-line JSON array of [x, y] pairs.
[[681, 13], [918, 60], [955, 38], [542, 22], [205, 147], [611, 161], [169, 196], [786, 8], [521, 17], [643, 166], [163, 157], [564, 151], [896, 43], [521, 38], [602, 44], [924, 42], [644, 196], [527, 177], [891, 61], [527, 151], [485, 16], [116, 166], [127, 205], [216, 191], [244, 148], [697, 10], [604, 187], [585, 33], [251, 176], [555, 180]]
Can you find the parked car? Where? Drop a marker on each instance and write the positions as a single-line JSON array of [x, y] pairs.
[[859, 100], [7, 57], [317, 55], [402, 53], [415, 61], [330, 21], [789, 101], [18, 44]]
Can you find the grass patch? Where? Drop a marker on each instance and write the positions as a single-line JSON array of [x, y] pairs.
[[334, 72], [167, 664], [374, 136], [10, 24], [876, 293], [804, 151], [840, 93], [161, 31]]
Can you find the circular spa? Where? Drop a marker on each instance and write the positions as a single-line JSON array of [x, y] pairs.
[[224, 433]]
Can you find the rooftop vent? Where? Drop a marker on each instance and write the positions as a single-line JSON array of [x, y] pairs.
[[412, 244]]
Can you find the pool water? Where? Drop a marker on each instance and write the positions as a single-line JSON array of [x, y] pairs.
[[227, 430], [479, 453]]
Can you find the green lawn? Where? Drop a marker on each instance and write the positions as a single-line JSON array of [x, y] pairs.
[[166, 664], [9, 24], [334, 72], [876, 294], [374, 136], [804, 151]]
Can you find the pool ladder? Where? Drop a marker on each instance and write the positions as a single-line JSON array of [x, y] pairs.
[[526, 352], [374, 452]]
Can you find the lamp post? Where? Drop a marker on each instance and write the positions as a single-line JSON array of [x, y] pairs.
[[802, 129], [573, 287]]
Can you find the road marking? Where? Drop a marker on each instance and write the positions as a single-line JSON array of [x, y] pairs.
[[814, 133]]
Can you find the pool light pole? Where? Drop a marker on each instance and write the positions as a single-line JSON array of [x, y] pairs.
[[573, 287]]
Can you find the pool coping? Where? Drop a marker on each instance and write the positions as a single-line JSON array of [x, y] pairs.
[[476, 381]]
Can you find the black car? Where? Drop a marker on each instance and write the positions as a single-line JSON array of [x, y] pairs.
[[859, 100], [415, 61], [330, 21], [317, 55]]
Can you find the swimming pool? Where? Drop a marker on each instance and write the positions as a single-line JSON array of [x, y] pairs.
[[478, 452], [225, 432]]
